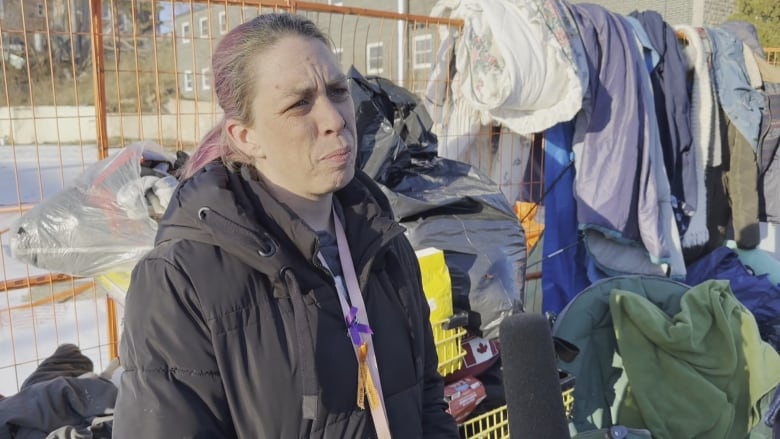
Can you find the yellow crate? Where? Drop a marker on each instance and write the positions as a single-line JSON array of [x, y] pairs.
[[495, 423], [491, 425], [448, 346]]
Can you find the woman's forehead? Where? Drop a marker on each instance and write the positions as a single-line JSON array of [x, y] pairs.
[[295, 62]]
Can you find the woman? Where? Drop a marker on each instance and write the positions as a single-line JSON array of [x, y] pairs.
[[244, 320]]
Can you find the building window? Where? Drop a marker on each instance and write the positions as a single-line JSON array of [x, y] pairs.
[[375, 58], [188, 80], [222, 23], [124, 23], [423, 51], [339, 52], [185, 32], [205, 82], [204, 27]]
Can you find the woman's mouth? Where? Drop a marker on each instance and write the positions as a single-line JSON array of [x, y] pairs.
[[340, 156]]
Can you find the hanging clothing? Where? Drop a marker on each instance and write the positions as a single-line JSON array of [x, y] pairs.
[[768, 156], [667, 204], [746, 32], [739, 100], [751, 67], [673, 112], [704, 129], [732, 195], [741, 181], [618, 186], [521, 77], [647, 48], [563, 266]]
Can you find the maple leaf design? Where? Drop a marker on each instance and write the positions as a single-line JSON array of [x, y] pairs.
[[482, 348]]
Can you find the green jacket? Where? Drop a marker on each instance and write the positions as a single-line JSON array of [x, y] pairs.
[[698, 373], [604, 394]]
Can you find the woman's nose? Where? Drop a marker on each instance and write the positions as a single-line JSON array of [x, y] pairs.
[[331, 121]]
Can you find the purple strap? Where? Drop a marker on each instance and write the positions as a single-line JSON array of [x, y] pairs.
[[355, 328]]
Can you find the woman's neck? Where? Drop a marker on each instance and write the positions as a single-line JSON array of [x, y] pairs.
[[315, 212]]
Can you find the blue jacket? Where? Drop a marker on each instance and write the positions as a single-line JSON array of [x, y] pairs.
[[672, 108], [741, 102], [757, 293]]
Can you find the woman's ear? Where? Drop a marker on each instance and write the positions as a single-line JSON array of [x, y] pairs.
[[244, 138]]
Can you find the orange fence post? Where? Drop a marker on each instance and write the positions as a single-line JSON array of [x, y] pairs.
[[113, 331], [99, 78]]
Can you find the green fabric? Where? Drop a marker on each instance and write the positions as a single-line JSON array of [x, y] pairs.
[[698, 373], [587, 323]]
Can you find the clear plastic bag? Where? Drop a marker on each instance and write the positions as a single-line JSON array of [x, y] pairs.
[[99, 224]]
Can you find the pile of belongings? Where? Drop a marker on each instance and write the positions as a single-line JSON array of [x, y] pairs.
[[106, 220], [62, 399]]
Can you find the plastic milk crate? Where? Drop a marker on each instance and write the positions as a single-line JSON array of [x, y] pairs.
[[448, 346], [438, 291], [495, 423]]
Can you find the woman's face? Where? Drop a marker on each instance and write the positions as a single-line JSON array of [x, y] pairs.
[[303, 135]]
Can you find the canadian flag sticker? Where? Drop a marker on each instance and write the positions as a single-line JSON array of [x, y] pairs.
[[480, 349]]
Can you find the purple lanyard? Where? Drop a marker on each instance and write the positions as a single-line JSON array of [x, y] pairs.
[[359, 333]]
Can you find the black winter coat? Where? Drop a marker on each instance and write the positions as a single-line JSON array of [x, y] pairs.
[[231, 319]]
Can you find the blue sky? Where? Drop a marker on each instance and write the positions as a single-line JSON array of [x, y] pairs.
[[166, 16]]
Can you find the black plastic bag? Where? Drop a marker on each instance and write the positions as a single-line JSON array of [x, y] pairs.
[[443, 203], [454, 207], [391, 126]]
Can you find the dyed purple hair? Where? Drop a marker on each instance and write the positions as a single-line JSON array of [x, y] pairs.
[[234, 82]]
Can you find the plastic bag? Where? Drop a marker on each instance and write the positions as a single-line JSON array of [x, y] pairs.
[[101, 223], [391, 127], [443, 203], [454, 207]]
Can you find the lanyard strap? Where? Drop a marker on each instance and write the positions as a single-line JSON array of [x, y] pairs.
[[360, 320]]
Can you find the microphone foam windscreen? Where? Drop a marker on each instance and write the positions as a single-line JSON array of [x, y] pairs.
[[531, 382]]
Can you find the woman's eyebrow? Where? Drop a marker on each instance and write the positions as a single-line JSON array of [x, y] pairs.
[[300, 92], [309, 90], [338, 79]]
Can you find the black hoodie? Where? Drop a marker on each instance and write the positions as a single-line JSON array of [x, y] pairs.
[[233, 328]]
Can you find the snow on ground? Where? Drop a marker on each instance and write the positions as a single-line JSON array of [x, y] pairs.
[[29, 174]]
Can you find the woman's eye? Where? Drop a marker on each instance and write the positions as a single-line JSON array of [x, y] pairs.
[[339, 93], [301, 103]]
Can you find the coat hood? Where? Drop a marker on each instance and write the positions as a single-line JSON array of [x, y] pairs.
[[233, 210]]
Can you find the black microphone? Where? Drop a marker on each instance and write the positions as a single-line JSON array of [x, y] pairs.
[[531, 382]]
